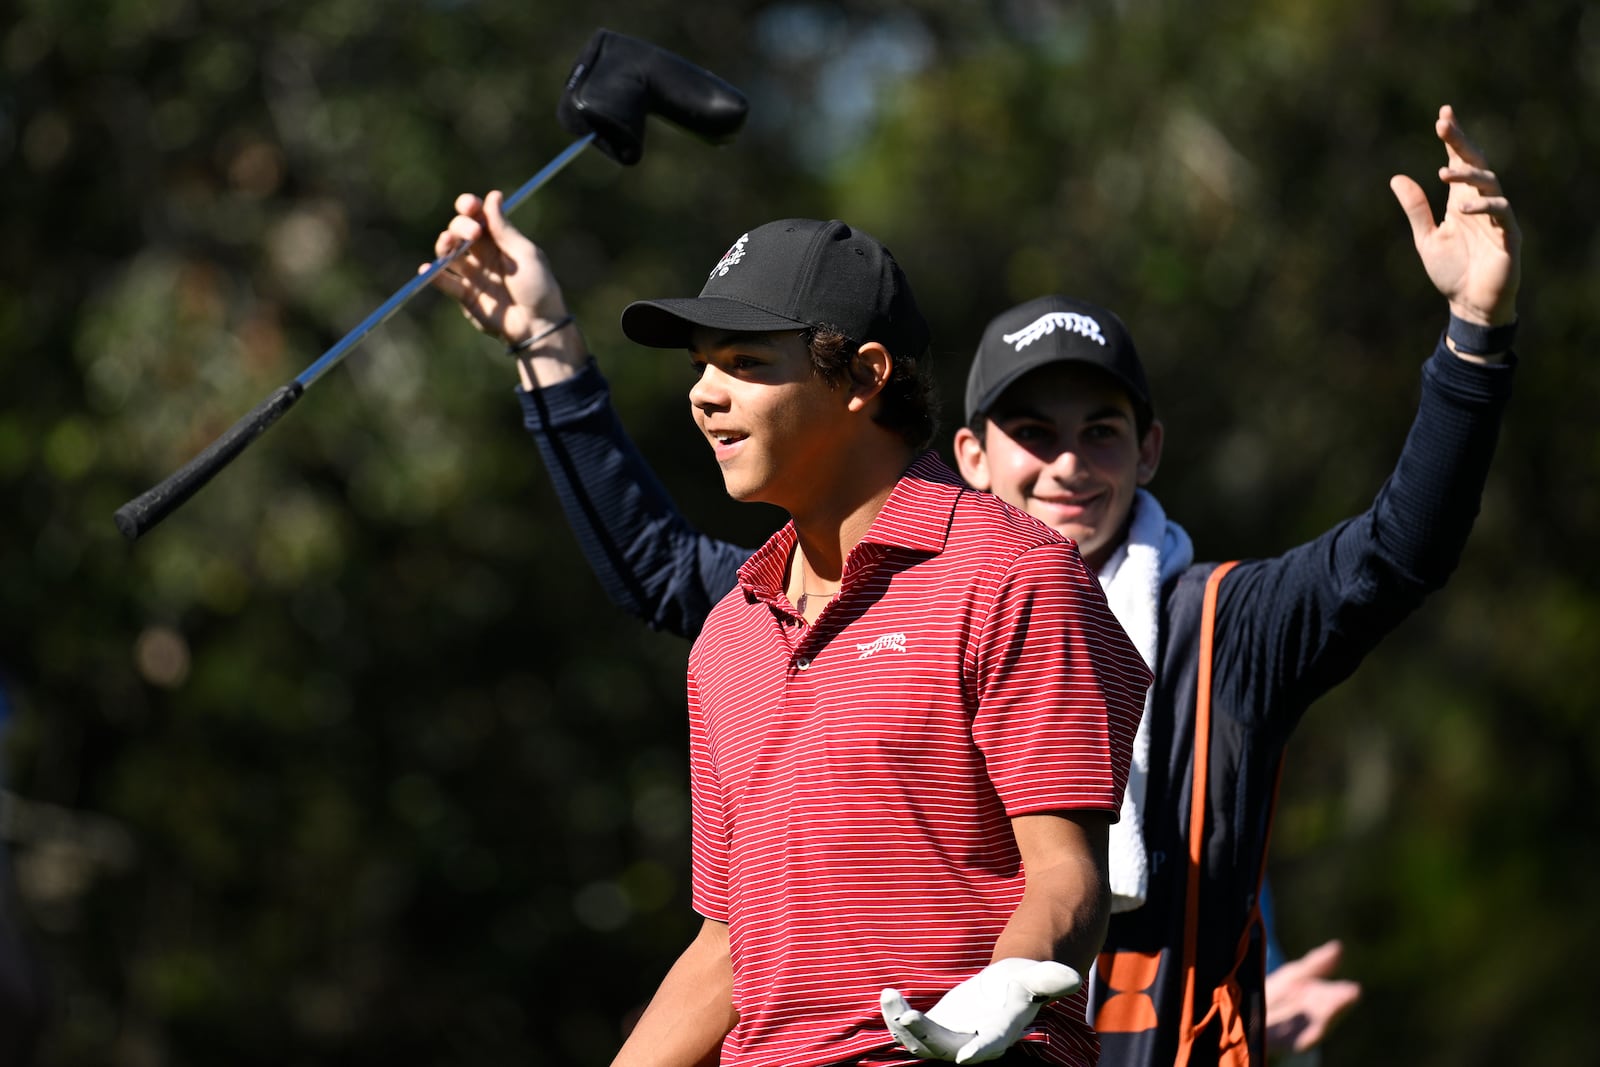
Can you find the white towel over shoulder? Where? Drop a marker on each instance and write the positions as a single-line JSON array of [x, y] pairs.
[[1154, 551]]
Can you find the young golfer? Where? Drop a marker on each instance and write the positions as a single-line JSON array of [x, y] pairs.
[[910, 720], [1060, 423]]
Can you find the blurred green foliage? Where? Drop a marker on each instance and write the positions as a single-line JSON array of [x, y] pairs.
[[350, 762]]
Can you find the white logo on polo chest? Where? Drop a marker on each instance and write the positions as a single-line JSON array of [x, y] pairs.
[[731, 257], [1055, 320], [886, 643]]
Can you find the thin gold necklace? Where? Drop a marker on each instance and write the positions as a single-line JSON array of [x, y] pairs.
[[805, 596]]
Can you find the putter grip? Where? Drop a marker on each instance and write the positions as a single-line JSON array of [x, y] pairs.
[[155, 504]]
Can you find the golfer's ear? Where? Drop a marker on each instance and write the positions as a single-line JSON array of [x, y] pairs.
[[870, 369], [971, 459]]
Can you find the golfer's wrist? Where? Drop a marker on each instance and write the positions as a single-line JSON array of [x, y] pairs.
[[552, 352], [542, 333]]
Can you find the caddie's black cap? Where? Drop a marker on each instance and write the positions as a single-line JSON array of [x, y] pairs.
[[1054, 329], [790, 275]]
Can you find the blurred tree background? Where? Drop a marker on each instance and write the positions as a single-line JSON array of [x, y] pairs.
[[350, 762]]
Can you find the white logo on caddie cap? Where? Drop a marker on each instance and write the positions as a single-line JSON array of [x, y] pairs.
[[730, 257], [1046, 324]]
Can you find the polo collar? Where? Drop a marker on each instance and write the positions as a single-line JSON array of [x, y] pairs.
[[915, 517]]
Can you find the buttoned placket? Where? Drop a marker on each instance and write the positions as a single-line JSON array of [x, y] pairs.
[[798, 637], [803, 638]]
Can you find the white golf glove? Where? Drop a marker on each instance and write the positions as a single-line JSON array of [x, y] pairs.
[[980, 1018]]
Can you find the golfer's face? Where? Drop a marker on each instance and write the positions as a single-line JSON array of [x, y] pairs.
[[771, 421], [1062, 445]]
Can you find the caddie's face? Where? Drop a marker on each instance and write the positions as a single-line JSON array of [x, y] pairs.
[[1062, 444], [773, 423]]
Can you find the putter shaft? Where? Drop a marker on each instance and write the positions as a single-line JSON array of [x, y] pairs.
[[329, 359]]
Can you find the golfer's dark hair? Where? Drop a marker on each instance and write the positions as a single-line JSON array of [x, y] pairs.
[[909, 404]]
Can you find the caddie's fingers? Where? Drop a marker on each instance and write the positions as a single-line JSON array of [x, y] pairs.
[[1048, 980], [1458, 146], [1321, 961], [1495, 206], [1480, 178], [468, 204], [1414, 202], [1338, 998]]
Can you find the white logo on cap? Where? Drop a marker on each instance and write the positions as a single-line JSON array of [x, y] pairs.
[[730, 257], [1046, 324]]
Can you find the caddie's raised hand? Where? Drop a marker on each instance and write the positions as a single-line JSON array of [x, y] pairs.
[[984, 1015], [1473, 255], [503, 282]]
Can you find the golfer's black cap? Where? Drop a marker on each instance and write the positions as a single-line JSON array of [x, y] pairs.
[[1054, 329], [791, 275]]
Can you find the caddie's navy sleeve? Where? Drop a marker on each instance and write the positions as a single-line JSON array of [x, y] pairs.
[[1292, 627], [651, 562]]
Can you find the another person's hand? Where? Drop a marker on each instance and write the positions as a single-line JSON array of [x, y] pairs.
[[1304, 999], [503, 282], [1473, 256], [980, 1018]]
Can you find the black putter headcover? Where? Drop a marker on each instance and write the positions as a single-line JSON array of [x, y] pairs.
[[618, 80]]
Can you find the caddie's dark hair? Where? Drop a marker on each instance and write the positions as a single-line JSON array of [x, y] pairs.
[[908, 404]]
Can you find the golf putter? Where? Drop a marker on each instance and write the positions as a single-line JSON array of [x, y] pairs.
[[615, 84]]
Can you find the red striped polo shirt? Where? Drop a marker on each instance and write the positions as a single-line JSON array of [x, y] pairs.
[[853, 781]]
